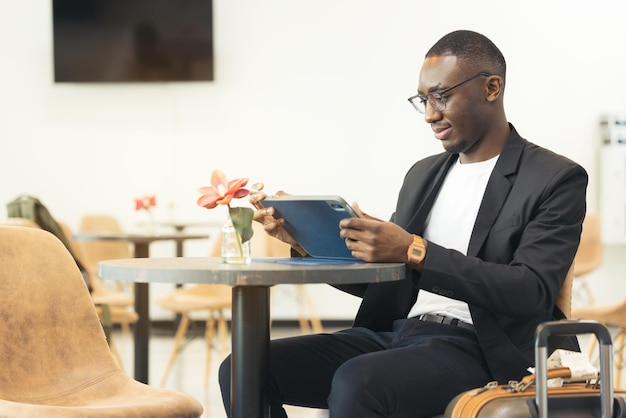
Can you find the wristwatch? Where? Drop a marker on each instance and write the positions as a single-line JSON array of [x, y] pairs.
[[416, 251]]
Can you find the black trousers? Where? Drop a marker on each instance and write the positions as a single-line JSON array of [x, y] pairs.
[[411, 372]]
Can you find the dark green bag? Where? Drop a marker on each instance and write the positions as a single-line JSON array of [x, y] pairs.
[[29, 207]]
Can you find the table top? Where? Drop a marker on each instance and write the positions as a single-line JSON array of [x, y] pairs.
[[190, 224], [262, 271], [135, 237]]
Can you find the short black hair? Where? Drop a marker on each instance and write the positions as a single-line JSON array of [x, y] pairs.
[[472, 49]]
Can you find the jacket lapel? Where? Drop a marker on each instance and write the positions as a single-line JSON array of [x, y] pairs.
[[498, 188], [418, 221]]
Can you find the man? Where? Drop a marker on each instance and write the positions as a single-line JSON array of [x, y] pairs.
[[488, 230]]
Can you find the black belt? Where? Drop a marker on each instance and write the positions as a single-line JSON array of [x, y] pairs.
[[446, 320]]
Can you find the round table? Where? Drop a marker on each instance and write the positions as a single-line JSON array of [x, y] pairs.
[[250, 305]]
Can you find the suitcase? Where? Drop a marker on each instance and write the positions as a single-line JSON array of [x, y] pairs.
[[531, 397]]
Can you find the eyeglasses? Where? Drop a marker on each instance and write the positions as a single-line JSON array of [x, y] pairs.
[[437, 100]]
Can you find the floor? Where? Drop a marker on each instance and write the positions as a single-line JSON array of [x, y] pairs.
[[187, 375]]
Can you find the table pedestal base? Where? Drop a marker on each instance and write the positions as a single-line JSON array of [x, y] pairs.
[[141, 332], [250, 352]]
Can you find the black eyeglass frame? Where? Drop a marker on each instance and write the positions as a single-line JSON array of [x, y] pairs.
[[439, 95]]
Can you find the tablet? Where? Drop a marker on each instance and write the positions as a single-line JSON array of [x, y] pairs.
[[313, 221]]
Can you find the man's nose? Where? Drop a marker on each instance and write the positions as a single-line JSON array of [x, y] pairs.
[[430, 114]]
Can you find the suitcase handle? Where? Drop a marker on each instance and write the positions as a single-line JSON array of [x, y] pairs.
[[559, 372], [573, 327]]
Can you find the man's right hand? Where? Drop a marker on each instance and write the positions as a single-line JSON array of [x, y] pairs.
[[271, 225]]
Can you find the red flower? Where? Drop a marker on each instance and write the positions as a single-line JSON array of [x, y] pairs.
[[221, 191], [145, 202]]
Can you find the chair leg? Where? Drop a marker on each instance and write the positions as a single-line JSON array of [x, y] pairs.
[[592, 347], [209, 336], [618, 362], [178, 339], [313, 322], [588, 294], [304, 323], [222, 332], [302, 319]]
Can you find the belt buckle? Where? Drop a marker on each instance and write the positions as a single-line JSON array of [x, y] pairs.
[[446, 320], [454, 321]]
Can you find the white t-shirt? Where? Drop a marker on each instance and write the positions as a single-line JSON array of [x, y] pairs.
[[450, 224]]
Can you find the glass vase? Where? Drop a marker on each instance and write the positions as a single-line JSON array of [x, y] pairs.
[[151, 225], [233, 250]]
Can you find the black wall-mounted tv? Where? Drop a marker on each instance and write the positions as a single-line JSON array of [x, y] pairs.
[[132, 40]]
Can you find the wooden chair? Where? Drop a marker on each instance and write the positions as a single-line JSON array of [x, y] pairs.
[[588, 258], [267, 246], [97, 251], [609, 315], [100, 294], [215, 300], [55, 359]]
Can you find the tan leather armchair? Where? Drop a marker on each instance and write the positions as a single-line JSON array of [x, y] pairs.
[[55, 359], [113, 308]]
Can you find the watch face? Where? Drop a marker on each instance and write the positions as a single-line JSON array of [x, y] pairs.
[[417, 252]]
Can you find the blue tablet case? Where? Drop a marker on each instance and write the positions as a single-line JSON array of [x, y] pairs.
[[313, 221]]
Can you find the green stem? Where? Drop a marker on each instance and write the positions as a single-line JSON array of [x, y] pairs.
[[239, 243]]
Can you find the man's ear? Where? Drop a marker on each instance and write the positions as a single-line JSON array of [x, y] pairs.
[[495, 87]]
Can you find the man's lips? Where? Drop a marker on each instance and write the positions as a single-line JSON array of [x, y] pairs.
[[441, 133]]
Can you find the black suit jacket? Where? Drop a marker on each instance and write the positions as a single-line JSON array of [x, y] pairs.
[[522, 245]]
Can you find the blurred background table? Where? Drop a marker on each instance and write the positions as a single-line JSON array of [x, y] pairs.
[[180, 227]]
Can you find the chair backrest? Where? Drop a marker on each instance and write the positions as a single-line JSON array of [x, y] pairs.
[[261, 245], [19, 222], [590, 250], [73, 244], [96, 251], [50, 336], [99, 223], [79, 253], [564, 298], [264, 245]]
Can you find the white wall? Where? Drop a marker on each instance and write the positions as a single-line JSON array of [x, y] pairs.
[[309, 97]]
